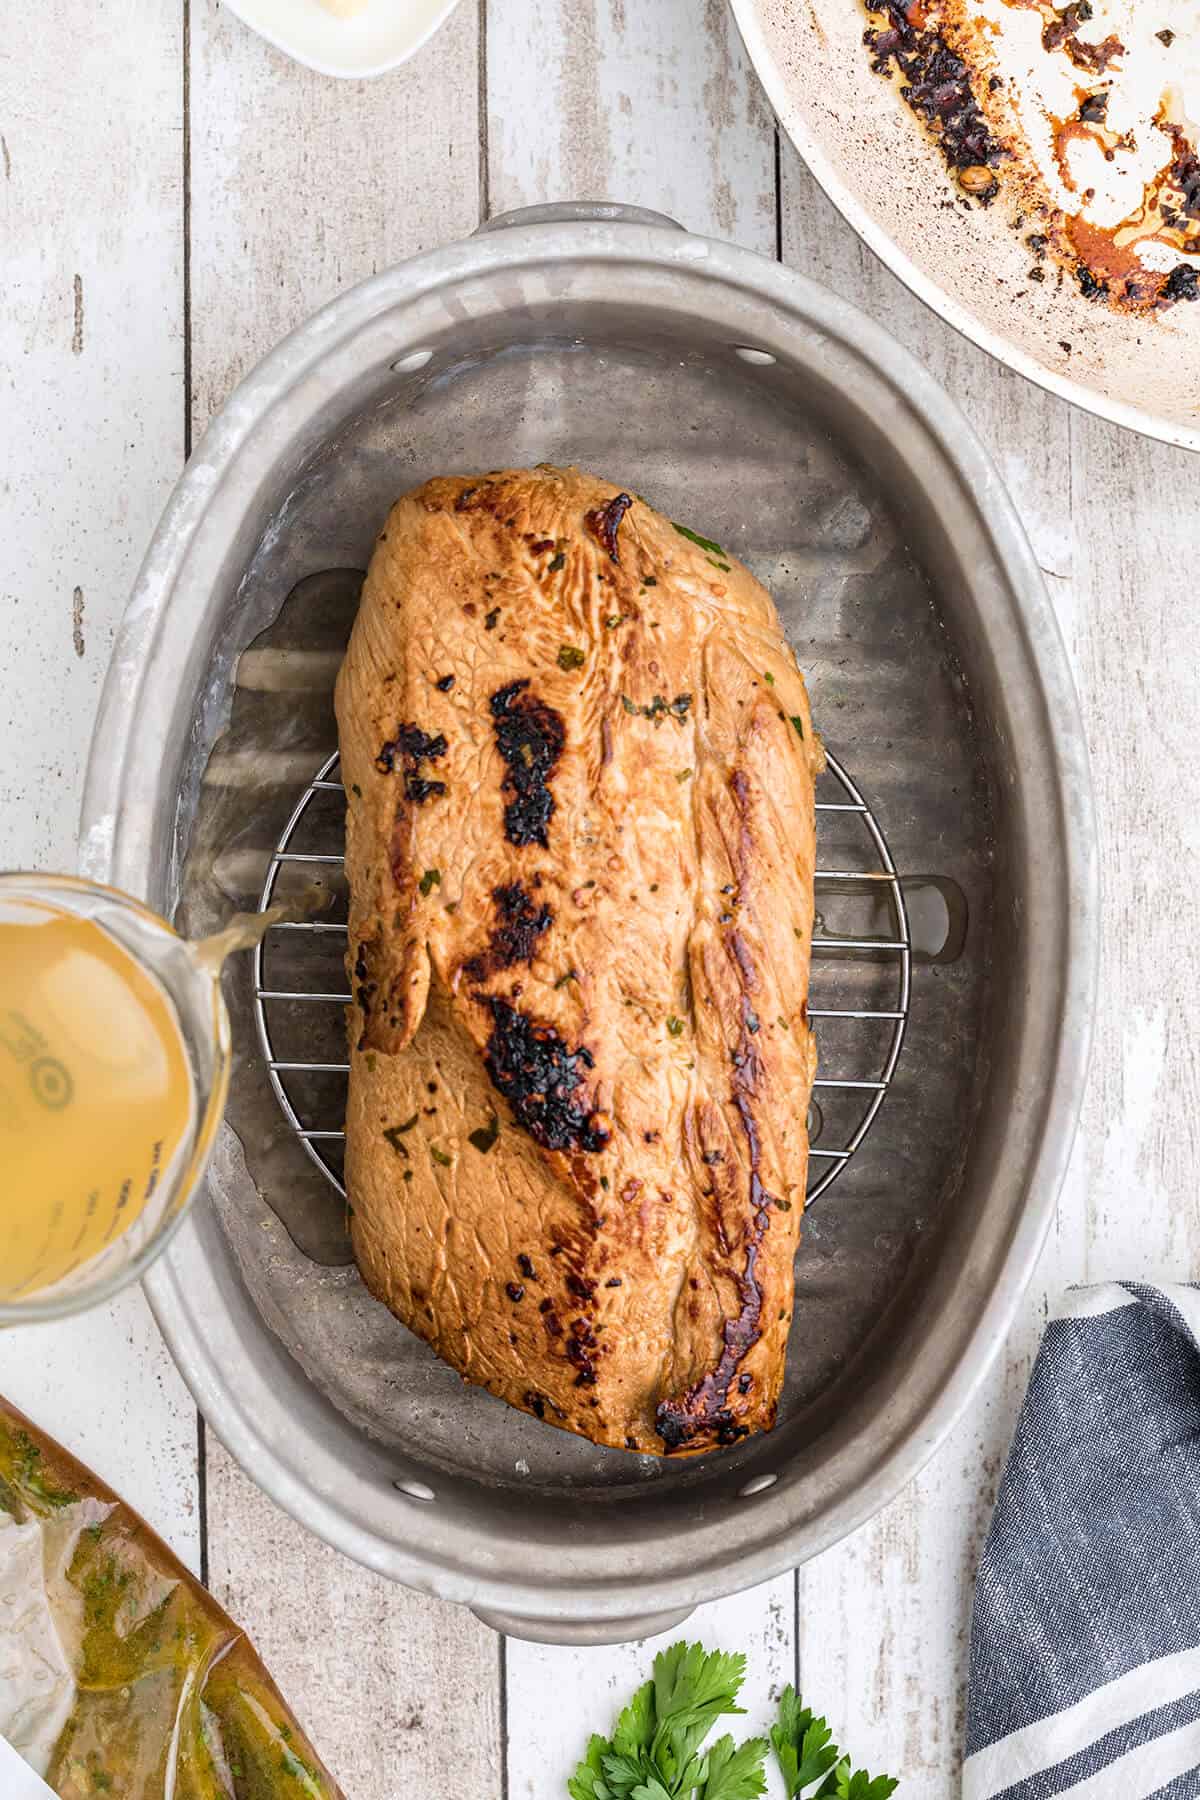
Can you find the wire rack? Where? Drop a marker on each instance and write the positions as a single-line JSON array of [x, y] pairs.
[[877, 1030]]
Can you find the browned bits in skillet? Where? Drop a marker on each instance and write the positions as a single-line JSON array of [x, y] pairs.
[[936, 83], [605, 522], [542, 1078], [1182, 283], [1062, 33], [1106, 261], [530, 737]]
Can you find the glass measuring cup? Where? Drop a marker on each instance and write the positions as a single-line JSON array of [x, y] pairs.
[[114, 1066]]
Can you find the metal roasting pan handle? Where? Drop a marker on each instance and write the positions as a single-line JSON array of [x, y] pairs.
[[582, 212], [585, 1632]]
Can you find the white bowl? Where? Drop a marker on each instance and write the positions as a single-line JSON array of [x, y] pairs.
[[384, 35]]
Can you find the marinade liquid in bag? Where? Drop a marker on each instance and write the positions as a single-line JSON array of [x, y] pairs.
[[120, 1677]]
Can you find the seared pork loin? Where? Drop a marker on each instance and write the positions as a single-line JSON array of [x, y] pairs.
[[579, 771]]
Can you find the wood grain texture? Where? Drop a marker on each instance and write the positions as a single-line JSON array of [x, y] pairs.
[[91, 404], [399, 1693], [302, 186], [647, 102], [91, 357]]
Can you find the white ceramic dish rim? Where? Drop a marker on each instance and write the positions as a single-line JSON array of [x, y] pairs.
[[248, 12]]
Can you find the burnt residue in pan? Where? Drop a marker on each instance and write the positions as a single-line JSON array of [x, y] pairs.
[[941, 53], [1061, 32], [936, 83]]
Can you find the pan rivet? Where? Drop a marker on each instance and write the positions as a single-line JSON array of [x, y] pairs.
[[756, 1485], [416, 359], [418, 1490], [750, 355]]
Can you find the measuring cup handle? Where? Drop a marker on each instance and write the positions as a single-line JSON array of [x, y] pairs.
[[579, 212]]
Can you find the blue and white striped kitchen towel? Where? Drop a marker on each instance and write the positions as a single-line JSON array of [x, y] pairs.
[[1085, 1643]]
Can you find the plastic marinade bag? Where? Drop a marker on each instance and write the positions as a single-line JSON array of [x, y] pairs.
[[120, 1676]]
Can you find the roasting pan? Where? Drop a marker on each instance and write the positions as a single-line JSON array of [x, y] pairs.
[[957, 930]]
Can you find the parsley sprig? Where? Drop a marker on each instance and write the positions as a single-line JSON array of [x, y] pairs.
[[807, 1755], [655, 1752]]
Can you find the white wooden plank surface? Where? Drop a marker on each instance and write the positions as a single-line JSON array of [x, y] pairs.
[[91, 438], [648, 102], [298, 187], [301, 186], [400, 1694]]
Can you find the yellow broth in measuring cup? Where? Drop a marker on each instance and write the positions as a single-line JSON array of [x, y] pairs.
[[97, 1099]]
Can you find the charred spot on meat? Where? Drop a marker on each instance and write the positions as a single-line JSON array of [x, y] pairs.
[[514, 938], [411, 747], [605, 522], [542, 1079], [418, 789], [365, 988], [529, 736]]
